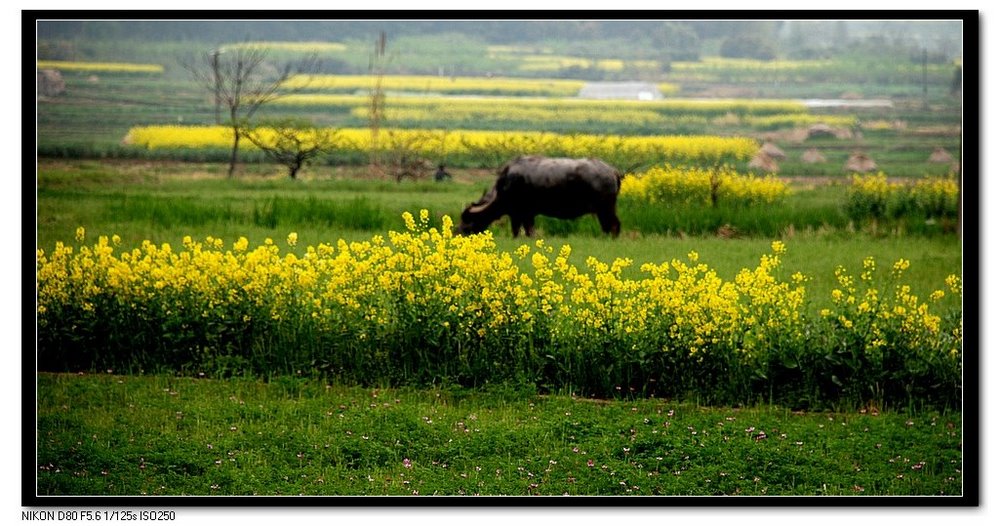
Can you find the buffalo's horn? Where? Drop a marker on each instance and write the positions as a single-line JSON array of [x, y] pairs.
[[484, 201], [477, 209]]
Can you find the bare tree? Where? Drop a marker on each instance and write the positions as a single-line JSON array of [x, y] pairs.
[[242, 81], [376, 107], [290, 142]]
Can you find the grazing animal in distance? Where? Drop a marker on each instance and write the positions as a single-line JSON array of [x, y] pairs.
[[528, 186]]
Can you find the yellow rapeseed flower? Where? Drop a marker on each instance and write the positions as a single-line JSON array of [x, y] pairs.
[[426, 277]]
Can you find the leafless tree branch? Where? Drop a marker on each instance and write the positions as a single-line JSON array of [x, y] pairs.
[[242, 81]]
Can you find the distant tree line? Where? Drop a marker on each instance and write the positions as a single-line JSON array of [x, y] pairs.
[[665, 40], [498, 31]]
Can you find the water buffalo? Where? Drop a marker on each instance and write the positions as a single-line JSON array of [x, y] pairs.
[[532, 185]]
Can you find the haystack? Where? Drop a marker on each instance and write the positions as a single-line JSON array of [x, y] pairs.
[[812, 156], [50, 83], [821, 130], [765, 162], [772, 151], [861, 163], [940, 155]]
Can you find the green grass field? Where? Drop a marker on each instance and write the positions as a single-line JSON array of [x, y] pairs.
[[133, 435]]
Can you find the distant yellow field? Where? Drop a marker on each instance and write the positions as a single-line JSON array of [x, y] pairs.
[[437, 111], [748, 64], [535, 59], [100, 66], [469, 105], [434, 84], [704, 149], [555, 63], [783, 120], [300, 47]]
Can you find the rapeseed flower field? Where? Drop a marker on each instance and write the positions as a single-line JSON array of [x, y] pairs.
[[424, 306], [668, 107], [875, 197], [438, 84], [749, 64], [702, 186], [106, 67], [487, 147], [295, 47], [435, 110]]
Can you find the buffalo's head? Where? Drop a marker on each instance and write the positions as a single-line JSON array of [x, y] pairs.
[[478, 216]]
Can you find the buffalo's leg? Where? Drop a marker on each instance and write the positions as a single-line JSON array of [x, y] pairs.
[[515, 225], [528, 222], [529, 226], [610, 223]]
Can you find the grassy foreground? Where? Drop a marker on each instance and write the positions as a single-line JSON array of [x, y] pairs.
[[140, 435]]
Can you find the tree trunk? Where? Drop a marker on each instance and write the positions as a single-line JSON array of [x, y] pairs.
[[236, 147], [714, 182]]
